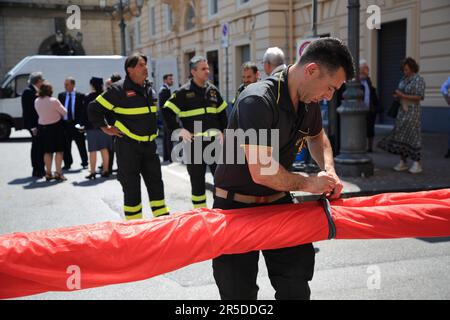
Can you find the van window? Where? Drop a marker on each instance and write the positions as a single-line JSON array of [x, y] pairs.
[[21, 83], [15, 87], [8, 91]]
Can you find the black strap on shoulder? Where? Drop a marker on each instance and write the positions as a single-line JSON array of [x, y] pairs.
[[327, 209]]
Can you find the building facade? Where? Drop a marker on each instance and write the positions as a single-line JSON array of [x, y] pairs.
[[172, 31], [40, 27]]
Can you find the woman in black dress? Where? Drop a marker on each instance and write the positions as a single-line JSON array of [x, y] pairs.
[[97, 140]]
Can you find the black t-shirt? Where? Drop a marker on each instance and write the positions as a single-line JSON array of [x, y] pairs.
[[264, 111]]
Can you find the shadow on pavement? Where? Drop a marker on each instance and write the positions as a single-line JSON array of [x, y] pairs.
[[435, 240], [23, 180], [90, 183], [72, 171], [14, 140], [41, 184]]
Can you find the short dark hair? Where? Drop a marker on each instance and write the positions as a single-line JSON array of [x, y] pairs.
[[411, 63], [97, 84], [133, 60], [35, 77], [46, 89], [167, 75], [250, 65], [331, 53], [71, 79], [115, 77]]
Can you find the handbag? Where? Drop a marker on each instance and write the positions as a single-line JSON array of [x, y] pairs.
[[393, 109]]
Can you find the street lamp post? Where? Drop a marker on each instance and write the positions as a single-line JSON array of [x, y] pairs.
[[353, 160], [122, 8], [122, 27]]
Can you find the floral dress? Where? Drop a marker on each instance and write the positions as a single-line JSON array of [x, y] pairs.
[[405, 138]]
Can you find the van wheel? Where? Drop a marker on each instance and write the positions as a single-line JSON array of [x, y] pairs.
[[5, 129]]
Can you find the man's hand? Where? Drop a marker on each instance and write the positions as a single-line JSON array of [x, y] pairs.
[[185, 135], [34, 131], [336, 192], [220, 137], [112, 131], [322, 183]]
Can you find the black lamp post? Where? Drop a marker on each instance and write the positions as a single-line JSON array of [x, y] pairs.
[[122, 8], [353, 160]]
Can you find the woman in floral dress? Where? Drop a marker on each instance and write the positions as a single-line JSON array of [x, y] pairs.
[[405, 138]]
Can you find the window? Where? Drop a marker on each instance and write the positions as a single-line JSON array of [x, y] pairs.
[[21, 83], [151, 21], [242, 2], [242, 55], [245, 54], [213, 7], [168, 18], [189, 18], [15, 86], [137, 32], [129, 39]]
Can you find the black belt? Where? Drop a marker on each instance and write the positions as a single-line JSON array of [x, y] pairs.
[[327, 209]]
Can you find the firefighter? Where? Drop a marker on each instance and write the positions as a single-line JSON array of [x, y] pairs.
[[286, 106], [250, 74], [128, 106], [198, 103]]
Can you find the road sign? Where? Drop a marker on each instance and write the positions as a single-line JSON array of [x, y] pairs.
[[302, 44], [225, 35]]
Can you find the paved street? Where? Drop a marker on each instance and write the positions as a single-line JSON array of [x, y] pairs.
[[407, 268]]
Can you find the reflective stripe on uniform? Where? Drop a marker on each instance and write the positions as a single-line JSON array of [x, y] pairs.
[[192, 113], [134, 216], [172, 107], [199, 205], [159, 212], [135, 111], [195, 112], [104, 102], [157, 203], [199, 198], [222, 107], [134, 209], [133, 136], [128, 111]]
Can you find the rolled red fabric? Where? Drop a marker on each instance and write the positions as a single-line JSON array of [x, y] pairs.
[[117, 252]]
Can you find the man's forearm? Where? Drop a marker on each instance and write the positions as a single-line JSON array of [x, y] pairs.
[[321, 152], [281, 180]]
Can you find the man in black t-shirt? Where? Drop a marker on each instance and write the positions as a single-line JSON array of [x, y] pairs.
[[278, 116]]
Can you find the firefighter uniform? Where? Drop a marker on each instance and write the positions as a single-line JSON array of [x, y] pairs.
[[131, 108], [190, 104]]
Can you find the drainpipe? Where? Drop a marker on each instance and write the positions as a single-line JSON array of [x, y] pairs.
[[292, 54]]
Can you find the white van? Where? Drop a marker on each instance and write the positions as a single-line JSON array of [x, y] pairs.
[[55, 69]]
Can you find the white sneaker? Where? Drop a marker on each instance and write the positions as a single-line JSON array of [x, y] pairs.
[[416, 168], [401, 166]]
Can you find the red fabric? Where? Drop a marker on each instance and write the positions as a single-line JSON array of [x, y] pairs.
[[116, 252]]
